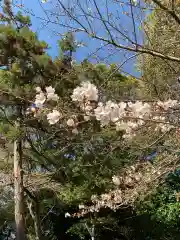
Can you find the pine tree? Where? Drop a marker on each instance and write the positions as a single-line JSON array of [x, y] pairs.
[[24, 64]]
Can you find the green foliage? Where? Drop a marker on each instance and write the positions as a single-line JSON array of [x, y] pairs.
[[25, 20], [9, 131], [67, 43], [79, 229], [163, 205]]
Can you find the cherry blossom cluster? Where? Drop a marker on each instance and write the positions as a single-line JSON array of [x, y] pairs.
[[53, 115], [49, 95], [133, 182], [86, 97], [107, 200], [125, 116]]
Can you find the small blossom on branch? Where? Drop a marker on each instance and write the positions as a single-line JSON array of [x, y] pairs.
[[75, 131], [125, 116], [40, 99], [70, 122], [81, 206], [110, 112], [139, 109], [135, 181], [116, 180], [51, 94], [67, 215], [53, 117], [86, 92], [167, 104], [38, 89]]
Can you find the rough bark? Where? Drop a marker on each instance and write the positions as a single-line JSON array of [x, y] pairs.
[[19, 192]]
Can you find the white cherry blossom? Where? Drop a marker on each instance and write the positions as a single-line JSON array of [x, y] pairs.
[[116, 180], [81, 206], [110, 112], [139, 109], [164, 127], [75, 131], [86, 92], [50, 90], [116, 111], [67, 215], [124, 116], [102, 114], [40, 99], [122, 125], [91, 92], [38, 89], [88, 108], [53, 117], [70, 122], [51, 94], [167, 104]]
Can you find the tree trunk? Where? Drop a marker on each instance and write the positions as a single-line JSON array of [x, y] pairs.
[[37, 222], [19, 192], [34, 211]]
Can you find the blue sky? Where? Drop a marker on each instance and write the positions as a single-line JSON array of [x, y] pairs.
[[53, 32]]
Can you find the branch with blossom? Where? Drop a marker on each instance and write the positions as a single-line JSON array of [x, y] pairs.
[[127, 117], [134, 182]]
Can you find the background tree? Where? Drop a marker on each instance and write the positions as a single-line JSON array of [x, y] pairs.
[[161, 76]]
